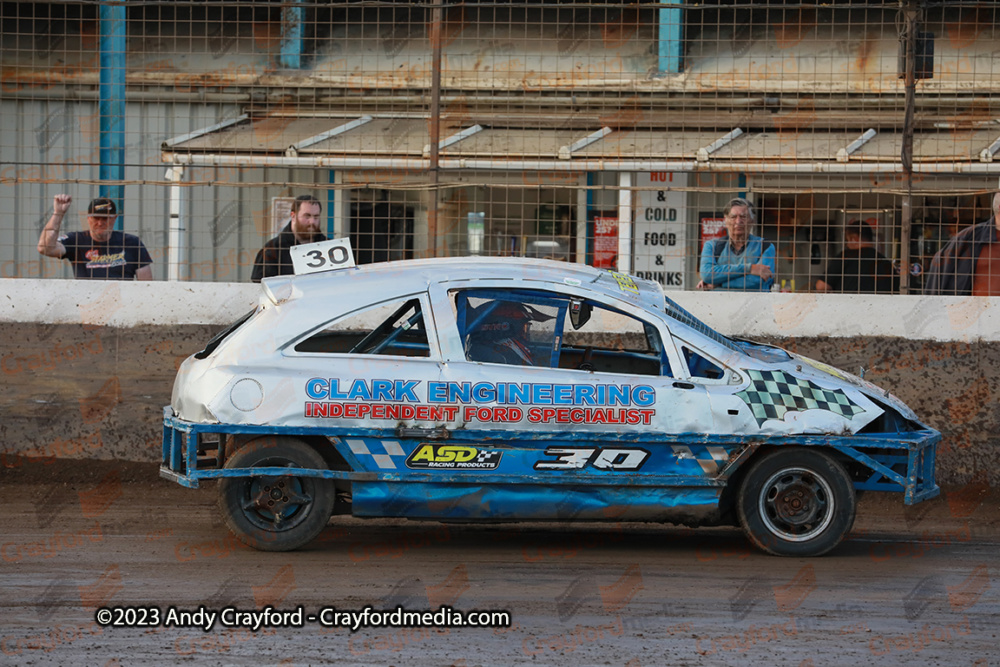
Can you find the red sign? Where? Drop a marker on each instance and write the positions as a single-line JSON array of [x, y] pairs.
[[605, 242], [712, 227]]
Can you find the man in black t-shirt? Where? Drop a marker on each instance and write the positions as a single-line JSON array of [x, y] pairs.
[[275, 258], [859, 268], [101, 252]]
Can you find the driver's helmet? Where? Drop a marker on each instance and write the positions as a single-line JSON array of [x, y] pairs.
[[509, 319]]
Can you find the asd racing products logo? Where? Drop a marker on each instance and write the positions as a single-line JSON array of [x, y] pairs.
[[453, 457]]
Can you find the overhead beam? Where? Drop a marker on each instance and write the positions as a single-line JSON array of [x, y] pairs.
[[454, 139], [844, 154], [329, 134], [170, 143], [726, 139], [566, 152], [579, 165], [987, 153]]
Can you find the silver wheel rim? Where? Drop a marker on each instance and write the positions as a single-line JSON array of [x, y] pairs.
[[796, 504]]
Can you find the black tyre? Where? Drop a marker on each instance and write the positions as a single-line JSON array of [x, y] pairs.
[[796, 502], [276, 513]]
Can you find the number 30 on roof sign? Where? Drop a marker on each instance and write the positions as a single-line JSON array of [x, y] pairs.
[[322, 256]]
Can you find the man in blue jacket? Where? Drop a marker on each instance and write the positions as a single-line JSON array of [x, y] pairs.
[[739, 261]]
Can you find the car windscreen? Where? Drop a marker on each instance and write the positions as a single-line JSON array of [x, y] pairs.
[[684, 317], [766, 353], [222, 335]]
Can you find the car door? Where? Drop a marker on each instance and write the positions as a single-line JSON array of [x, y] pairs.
[[587, 428]]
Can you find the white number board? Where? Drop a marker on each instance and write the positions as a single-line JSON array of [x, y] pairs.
[[660, 228], [322, 256]]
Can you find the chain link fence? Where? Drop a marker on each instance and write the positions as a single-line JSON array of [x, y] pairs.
[[615, 134]]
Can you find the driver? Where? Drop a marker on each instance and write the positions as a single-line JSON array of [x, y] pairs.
[[503, 337]]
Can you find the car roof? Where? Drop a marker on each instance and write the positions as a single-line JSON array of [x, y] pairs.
[[410, 276], [371, 283]]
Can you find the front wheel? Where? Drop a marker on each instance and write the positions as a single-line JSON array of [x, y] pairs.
[[796, 502], [276, 513]]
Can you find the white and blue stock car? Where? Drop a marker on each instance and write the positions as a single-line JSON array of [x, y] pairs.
[[498, 389]]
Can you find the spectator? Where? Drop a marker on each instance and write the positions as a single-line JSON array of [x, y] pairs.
[[102, 252], [859, 268], [965, 265], [740, 260], [274, 259]]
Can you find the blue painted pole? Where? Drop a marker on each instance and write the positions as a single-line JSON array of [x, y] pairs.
[[671, 33], [112, 104], [293, 18]]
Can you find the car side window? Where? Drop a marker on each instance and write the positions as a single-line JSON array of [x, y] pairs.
[[511, 327], [395, 328], [548, 329], [600, 339], [701, 367]]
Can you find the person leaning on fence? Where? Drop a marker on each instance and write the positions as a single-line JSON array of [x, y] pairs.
[[274, 259], [859, 268], [101, 252], [969, 264], [739, 260]]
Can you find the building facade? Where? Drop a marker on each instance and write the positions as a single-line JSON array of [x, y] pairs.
[[607, 133]]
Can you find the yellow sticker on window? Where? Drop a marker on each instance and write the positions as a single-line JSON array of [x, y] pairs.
[[625, 283]]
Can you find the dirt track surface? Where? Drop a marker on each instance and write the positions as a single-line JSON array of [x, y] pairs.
[[912, 586]]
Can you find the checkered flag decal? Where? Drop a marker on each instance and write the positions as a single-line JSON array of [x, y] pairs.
[[773, 393], [486, 459], [363, 450]]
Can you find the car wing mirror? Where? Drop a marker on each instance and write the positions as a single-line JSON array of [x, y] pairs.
[[579, 312]]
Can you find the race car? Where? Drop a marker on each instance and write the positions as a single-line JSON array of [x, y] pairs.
[[498, 389]]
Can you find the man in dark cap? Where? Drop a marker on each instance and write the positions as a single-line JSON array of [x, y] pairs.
[[101, 252]]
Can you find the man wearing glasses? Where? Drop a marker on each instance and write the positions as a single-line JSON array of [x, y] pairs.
[[739, 261]]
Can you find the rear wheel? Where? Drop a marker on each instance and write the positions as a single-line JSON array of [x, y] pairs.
[[280, 512], [796, 502]]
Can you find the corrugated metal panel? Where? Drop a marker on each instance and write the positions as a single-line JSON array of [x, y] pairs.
[[942, 145], [407, 138], [381, 136], [651, 144], [810, 51], [272, 134], [788, 146], [514, 143]]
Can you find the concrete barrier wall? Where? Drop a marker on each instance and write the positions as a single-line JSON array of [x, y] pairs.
[[87, 367]]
